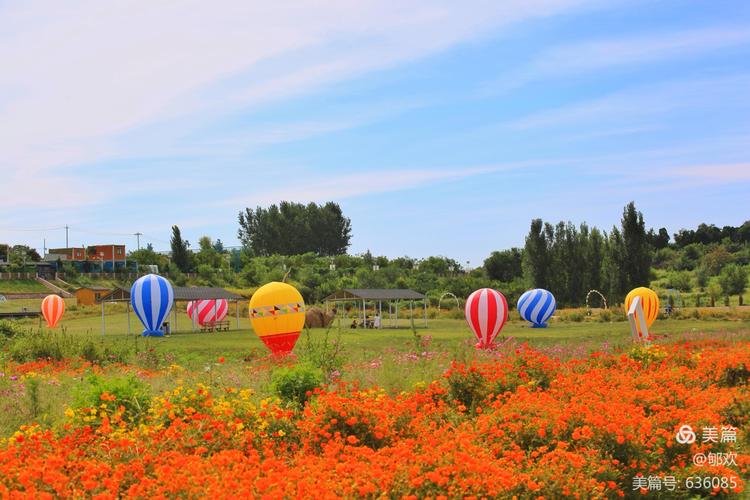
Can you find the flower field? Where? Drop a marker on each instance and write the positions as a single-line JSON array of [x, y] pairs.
[[511, 423]]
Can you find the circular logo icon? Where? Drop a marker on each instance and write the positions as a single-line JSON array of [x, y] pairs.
[[685, 435]]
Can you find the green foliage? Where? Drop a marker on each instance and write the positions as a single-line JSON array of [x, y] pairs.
[[679, 280], [467, 386], [295, 384], [9, 329], [147, 256], [176, 275], [129, 392], [734, 376], [294, 228], [733, 280], [34, 399], [325, 354], [181, 257], [504, 265], [715, 260], [27, 345], [572, 260], [707, 234], [637, 259]]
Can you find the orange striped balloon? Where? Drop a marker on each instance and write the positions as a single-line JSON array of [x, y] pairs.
[[649, 301], [53, 307]]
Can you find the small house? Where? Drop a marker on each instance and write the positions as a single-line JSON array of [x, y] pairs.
[[90, 295]]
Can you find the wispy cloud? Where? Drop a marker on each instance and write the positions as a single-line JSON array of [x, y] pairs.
[[712, 173], [85, 74], [610, 53], [368, 183], [645, 101]]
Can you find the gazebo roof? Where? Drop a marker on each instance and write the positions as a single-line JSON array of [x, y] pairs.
[[203, 293], [375, 294]]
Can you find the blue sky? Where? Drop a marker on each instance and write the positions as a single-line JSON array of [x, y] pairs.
[[442, 128]]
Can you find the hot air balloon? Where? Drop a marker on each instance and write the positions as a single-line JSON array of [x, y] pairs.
[[207, 312], [152, 297], [649, 302], [53, 307], [277, 312], [486, 312], [537, 306]]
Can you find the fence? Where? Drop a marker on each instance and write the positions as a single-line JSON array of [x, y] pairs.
[[93, 276], [17, 276]]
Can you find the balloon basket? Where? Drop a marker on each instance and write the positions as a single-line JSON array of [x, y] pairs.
[[281, 344], [543, 325]]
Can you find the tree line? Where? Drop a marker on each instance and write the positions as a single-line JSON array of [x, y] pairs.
[[570, 260], [565, 258]]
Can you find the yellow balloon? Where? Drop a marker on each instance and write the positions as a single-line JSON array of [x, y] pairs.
[[649, 302], [277, 313]]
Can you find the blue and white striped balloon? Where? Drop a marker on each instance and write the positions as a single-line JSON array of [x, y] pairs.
[[152, 297], [537, 306]]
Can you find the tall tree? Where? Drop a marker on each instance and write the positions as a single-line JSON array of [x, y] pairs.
[[615, 277], [658, 240], [536, 259], [294, 228], [595, 249], [637, 259], [733, 280], [180, 253], [505, 265]]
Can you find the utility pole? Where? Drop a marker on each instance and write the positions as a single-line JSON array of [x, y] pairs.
[[138, 237], [66, 236]]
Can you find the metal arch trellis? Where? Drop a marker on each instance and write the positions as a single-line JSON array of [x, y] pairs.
[[440, 300], [588, 295]]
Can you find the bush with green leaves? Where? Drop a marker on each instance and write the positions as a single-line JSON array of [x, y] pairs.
[[295, 384], [9, 329], [129, 392], [28, 345], [324, 353]]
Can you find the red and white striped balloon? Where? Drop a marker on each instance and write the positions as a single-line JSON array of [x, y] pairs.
[[208, 311], [486, 312], [53, 307]]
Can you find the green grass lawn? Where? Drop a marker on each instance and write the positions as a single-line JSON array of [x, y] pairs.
[[21, 286], [444, 334]]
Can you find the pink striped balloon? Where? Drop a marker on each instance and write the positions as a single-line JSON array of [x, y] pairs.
[[486, 312], [206, 312]]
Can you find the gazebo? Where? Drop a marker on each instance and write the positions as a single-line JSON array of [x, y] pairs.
[[392, 296], [181, 294]]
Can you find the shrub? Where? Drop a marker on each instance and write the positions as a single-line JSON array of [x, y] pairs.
[[38, 345], [128, 394], [9, 329], [325, 353], [295, 384], [576, 317], [31, 346], [734, 376]]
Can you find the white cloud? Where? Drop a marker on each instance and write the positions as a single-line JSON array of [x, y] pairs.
[[645, 101], [77, 76], [605, 54], [338, 187], [723, 173]]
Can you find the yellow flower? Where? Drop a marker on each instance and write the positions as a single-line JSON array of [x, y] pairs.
[[69, 413]]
